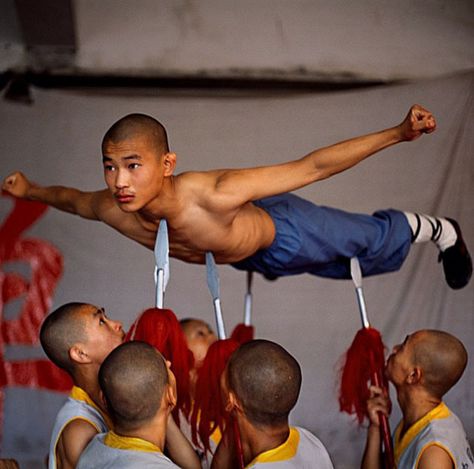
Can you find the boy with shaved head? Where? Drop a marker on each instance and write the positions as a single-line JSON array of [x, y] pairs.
[[261, 383], [423, 369], [77, 337], [199, 337], [140, 393], [247, 217]]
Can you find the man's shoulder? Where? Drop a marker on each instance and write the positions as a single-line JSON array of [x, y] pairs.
[[106, 209], [192, 179], [103, 200]]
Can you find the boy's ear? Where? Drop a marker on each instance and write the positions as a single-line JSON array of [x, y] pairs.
[[169, 163], [171, 397], [78, 354], [415, 375], [103, 400], [232, 403]]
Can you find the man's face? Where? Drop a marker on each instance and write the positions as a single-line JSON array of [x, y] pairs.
[[199, 337], [133, 172], [400, 361], [102, 334]]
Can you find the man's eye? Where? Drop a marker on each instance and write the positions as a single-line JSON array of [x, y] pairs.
[[109, 168], [133, 166], [101, 321]]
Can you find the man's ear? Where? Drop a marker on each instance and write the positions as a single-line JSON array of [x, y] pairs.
[[169, 163], [78, 354], [415, 375]]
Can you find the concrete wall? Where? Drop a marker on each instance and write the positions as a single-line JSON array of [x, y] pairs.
[[324, 39], [57, 141]]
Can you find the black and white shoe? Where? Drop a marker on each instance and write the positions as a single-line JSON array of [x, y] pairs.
[[457, 263]]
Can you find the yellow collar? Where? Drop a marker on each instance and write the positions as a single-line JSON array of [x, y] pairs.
[[131, 443], [286, 450], [441, 411], [80, 395]]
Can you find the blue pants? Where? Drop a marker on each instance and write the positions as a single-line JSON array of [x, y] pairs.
[[321, 240]]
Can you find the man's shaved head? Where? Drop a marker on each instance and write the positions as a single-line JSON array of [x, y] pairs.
[[60, 331], [442, 357], [135, 125], [266, 379], [133, 379]]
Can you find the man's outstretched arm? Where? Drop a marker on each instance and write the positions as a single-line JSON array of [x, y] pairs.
[[63, 198], [255, 183]]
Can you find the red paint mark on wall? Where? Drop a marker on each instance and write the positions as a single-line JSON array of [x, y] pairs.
[[34, 295]]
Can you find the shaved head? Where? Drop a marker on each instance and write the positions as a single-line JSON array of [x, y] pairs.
[[266, 379], [133, 379], [442, 357], [138, 125], [60, 331]]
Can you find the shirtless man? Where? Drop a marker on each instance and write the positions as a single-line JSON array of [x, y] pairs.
[[222, 211]]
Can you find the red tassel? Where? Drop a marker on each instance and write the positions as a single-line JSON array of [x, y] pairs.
[[160, 328], [243, 333], [208, 410], [364, 358]]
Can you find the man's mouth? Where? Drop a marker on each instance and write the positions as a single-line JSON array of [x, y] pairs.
[[124, 198]]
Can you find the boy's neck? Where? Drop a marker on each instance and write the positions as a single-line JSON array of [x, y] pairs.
[[153, 432], [416, 405], [257, 440], [87, 380]]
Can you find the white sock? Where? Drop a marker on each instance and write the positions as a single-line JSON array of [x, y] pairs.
[[427, 228]]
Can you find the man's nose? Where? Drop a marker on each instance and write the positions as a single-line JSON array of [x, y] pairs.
[[121, 179]]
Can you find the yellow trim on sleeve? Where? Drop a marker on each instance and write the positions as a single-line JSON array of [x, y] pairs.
[[285, 451], [439, 445], [80, 395], [441, 411], [131, 443], [72, 419]]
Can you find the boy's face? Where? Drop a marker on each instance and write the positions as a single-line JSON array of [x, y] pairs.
[[133, 172], [103, 334], [199, 337], [400, 361]]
